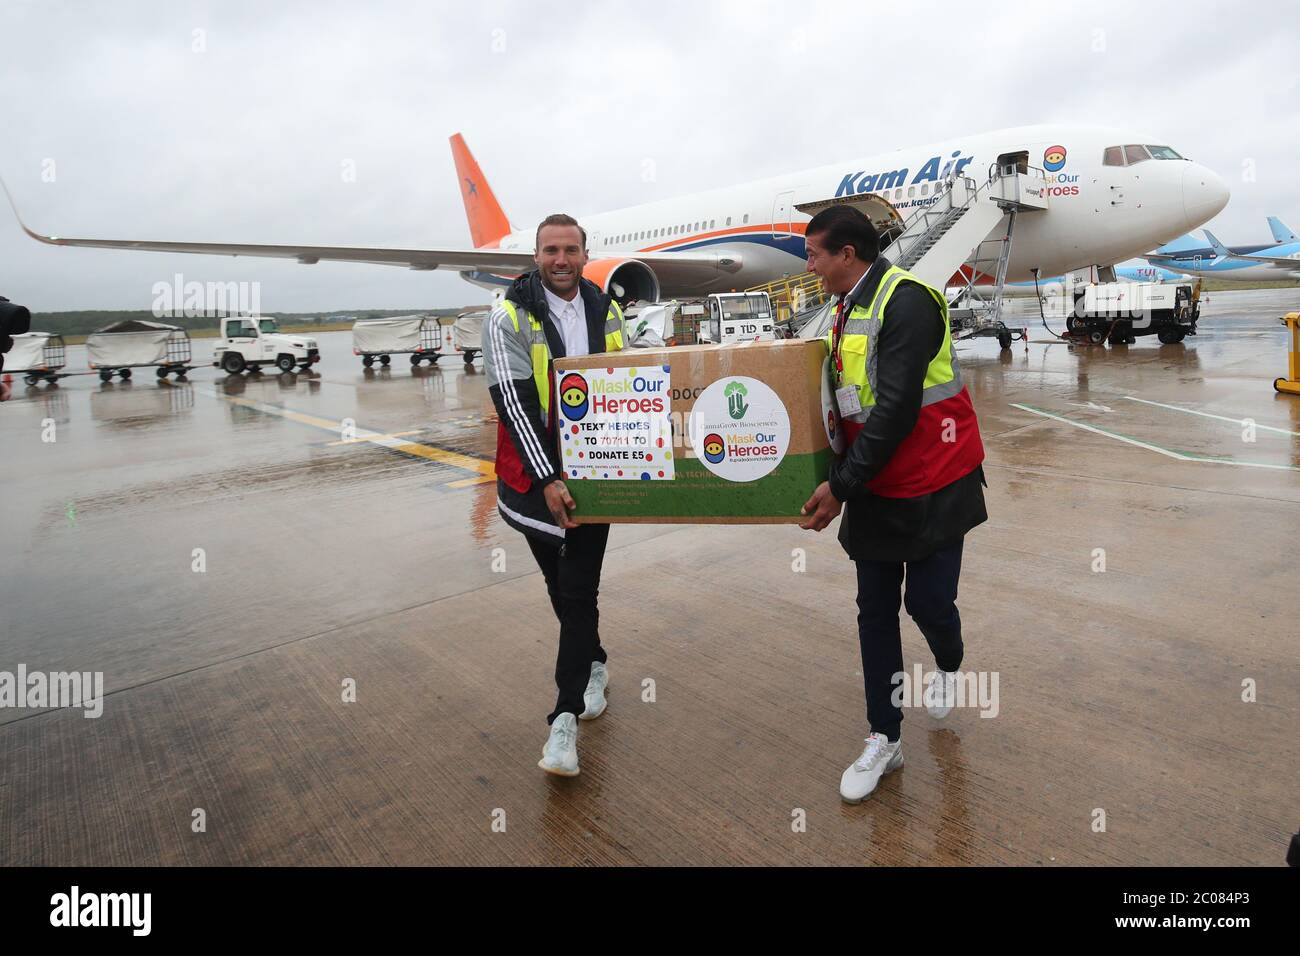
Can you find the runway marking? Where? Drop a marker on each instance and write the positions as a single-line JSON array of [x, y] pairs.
[[485, 469], [468, 482], [353, 441], [1222, 418], [1167, 452]]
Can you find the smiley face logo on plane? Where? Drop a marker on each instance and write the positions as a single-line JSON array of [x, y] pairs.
[[573, 396], [1053, 158], [714, 449]]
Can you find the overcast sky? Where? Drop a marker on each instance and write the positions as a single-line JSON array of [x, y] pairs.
[[239, 132]]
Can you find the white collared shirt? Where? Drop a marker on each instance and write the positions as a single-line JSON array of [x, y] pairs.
[[570, 317]]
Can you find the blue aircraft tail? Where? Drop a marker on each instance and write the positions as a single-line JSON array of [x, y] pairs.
[[1183, 243], [1281, 231]]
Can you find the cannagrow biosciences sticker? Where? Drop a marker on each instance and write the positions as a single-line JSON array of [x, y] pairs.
[[616, 423], [740, 428]]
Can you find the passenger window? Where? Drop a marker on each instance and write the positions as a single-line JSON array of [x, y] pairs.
[[728, 220], [911, 191], [1114, 156], [745, 220], [925, 189], [1135, 154], [712, 222]]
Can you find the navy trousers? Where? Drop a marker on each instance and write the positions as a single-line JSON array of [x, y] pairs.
[[930, 596]]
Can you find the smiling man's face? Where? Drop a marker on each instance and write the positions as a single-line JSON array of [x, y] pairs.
[[560, 258]]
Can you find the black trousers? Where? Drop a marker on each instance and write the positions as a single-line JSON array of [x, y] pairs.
[[573, 581], [931, 600]]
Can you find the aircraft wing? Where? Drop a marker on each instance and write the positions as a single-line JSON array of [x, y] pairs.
[[672, 266], [1222, 252]]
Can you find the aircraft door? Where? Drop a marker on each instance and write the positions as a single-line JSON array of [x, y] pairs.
[[782, 208]]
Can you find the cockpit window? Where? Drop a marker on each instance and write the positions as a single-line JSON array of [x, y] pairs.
[[1164, 152], [1135, 154]]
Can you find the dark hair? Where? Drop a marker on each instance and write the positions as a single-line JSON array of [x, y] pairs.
[[558, 219], [846, 226]]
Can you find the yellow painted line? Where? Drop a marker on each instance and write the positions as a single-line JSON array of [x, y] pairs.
[[353, 441], [468, 482], [486, 470]]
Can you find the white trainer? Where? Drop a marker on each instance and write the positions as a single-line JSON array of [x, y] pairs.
[[940, 693], [594, 695], [878, 759], [560, 755]]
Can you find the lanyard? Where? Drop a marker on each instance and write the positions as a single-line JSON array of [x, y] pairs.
[[837, 337]]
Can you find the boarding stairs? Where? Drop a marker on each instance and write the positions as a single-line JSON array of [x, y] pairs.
[[948, 236]]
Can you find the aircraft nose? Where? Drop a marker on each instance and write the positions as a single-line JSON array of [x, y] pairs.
[[1204, 194]]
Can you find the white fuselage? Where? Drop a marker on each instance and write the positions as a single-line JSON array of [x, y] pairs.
[[1098, 214]]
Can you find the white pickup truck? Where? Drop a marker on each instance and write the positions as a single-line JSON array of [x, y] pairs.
[[249, 342]]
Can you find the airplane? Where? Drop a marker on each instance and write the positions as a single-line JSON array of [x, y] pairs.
[[1197, 255], [1111, 198], [1267, 263]]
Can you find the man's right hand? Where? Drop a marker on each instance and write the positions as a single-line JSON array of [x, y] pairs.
[[560, 504]]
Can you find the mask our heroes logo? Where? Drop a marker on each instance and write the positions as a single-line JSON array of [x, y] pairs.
[[740, 429]]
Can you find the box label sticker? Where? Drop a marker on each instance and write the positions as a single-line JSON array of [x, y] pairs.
[[831, 414], [616, 423], [739, 429]]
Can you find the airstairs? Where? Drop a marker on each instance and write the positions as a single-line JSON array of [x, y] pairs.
[[945, 243]]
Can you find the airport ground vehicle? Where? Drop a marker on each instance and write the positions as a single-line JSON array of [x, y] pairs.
[[423, 337], [1291, 384], [37, 356], [721, 318], [249, 342], [1119, 312], [467, 334], [135, 343], [419, 336], [737, 317]]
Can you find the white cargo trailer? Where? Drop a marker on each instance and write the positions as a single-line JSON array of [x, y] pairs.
[[37, 355], [419, 336], [135, 343]]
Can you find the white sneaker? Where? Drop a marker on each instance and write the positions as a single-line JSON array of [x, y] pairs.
[[878, 759], [594, 695], [560, 755], [940, 693]]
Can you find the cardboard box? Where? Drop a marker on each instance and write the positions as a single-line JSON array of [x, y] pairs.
[[727, 434]]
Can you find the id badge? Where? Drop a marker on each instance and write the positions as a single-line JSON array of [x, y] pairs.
[[847, 400]]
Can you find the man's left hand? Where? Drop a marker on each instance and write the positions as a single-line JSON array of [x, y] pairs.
[[822, 508]]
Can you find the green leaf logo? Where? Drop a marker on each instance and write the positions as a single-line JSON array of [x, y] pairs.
[[736, 393]]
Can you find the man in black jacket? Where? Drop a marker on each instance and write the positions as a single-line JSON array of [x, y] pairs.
[[548, 314], [889, 529]]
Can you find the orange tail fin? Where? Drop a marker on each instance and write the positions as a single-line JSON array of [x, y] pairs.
[[488, 224]]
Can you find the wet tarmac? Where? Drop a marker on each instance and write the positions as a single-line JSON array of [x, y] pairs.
[[234, 562]]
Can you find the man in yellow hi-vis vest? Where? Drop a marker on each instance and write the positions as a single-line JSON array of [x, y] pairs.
[[911, 472], [547, 314]]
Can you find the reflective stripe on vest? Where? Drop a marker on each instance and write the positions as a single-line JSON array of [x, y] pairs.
[[859, 354], [615, 337]]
